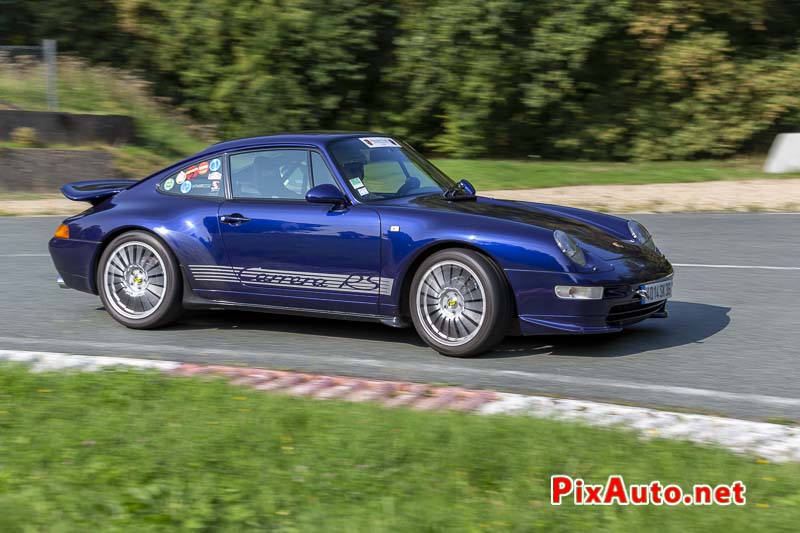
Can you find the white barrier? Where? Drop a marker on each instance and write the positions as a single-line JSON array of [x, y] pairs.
[[784, 154]]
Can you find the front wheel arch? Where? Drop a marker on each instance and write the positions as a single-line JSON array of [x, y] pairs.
[[408, 274], [491, 317]]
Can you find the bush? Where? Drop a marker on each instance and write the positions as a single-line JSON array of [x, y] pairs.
[[26, 137]]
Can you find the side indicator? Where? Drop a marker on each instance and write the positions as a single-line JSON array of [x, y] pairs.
[[62, 232]]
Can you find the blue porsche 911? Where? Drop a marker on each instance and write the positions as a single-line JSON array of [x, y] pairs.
[[356, 226]]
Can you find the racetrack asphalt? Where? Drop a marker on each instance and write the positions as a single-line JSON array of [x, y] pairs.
[[730, 346]]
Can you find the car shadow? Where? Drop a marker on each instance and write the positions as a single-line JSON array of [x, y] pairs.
[[280, 323], [688, 323]]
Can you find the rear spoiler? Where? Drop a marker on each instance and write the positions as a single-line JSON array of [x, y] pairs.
[[94, 191]]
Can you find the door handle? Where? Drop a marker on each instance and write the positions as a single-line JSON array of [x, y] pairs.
[[234, 219]]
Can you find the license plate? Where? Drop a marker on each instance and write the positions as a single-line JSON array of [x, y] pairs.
[[654, 292]]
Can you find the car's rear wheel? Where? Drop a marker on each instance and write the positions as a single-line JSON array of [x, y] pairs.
[[459, 303], [139, 281]]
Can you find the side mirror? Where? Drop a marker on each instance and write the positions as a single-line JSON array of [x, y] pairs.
[[326, 193], [467, 187]]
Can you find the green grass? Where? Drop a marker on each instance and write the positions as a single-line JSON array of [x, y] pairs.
[[131, 161], [488, 174], [507, 174], [95, 89], [126, 451]]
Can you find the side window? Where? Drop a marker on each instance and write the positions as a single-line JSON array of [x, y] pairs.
[[202, 178], [266, 174], [320, 171]]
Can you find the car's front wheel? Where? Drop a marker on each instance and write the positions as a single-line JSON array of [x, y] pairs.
[[459, 303], [139, 281]]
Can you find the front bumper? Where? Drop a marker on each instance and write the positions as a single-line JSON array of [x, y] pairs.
[[541, 312]]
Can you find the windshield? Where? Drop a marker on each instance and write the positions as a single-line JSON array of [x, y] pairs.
[[380, 168]]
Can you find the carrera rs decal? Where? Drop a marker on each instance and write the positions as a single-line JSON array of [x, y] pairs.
[[257, 276]]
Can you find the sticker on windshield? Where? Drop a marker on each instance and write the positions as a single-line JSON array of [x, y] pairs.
[[363, 191], [181, 177], [169, 184], [186, 186], [356, 183], [379, 142]]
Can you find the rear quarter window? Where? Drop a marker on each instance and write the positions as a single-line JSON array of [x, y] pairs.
[[199, 179]]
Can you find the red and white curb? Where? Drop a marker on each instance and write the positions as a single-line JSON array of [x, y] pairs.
[[774, 442]]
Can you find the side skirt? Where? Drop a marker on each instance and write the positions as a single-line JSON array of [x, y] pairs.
[[192, 301]]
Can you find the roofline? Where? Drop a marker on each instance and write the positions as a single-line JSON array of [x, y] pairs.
[[315, 133]]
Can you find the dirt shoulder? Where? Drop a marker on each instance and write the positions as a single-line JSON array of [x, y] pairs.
[[748, 195], [44, 205]]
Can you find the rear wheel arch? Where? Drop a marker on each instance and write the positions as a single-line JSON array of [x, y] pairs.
[[109, 238], [140, 273]]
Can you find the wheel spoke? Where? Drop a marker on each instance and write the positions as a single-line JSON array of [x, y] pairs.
[[118, 270], [439, 280], [155, 290], [150, 299], [470, 319], [446, 328], [476, 305], [470, 288], [118, 262], [439, 320], [456, 324]]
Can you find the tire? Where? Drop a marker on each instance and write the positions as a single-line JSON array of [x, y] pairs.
[[139, 281], [460, 303]]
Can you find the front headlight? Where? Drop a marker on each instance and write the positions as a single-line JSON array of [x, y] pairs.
[[641, 235], [569, 247]]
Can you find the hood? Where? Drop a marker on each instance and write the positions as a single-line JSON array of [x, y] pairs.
[[595, 236]]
